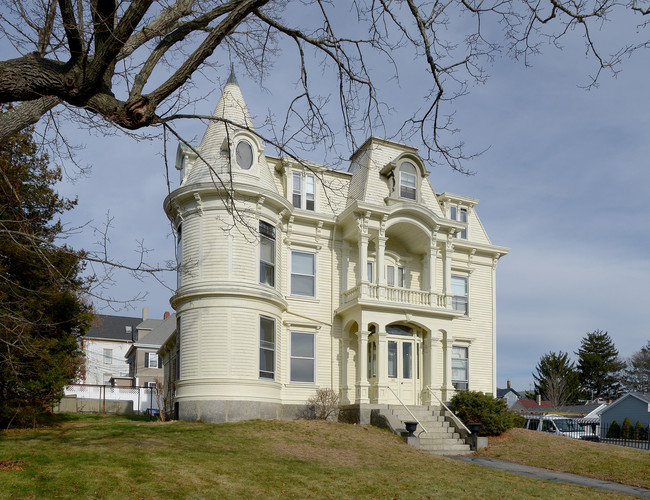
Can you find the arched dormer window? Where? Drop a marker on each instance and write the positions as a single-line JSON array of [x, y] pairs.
[[404, 177], [408, 181]]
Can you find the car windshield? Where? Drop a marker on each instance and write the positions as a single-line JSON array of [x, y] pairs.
[[566, 425]]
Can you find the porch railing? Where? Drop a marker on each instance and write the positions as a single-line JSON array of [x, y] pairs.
[[453, 415], [407, 408], [374, 291]]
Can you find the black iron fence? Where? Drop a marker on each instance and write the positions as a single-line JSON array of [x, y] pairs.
[[632, 435]]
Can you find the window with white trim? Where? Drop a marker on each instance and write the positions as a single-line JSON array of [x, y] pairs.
[[150, 360], [460, 294], [392, 359], [408, 181], [108, 356], [302, 365], [267, 348], [267, 254], [303, 274], [460, 367], [303, 190], [459, 214], [390, 276]]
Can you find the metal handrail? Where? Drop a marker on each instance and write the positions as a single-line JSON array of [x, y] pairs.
[[407, 409], [447, 408]]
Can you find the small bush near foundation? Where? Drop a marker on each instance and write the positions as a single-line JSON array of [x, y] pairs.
[[324, 405], [493, 414]]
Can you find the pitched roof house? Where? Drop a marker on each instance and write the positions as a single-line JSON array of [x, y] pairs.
[[295, 276], [104, 346], [633, 405], [142, 357]]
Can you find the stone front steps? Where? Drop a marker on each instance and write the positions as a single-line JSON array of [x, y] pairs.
[[440, 438]]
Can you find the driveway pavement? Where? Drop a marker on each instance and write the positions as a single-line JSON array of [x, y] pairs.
[[551, 475]]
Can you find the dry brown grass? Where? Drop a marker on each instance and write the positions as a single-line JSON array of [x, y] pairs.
[[598, 460], [113, 457]]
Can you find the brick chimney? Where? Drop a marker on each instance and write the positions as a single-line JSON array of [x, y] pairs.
[[166, 315], [509, 386]]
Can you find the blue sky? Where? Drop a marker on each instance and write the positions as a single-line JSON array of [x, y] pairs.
[[564, 184]]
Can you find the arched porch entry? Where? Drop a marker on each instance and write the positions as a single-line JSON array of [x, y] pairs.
[[396, 364]]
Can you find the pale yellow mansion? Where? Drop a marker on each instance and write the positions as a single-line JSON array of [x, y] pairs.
[[295, 277]]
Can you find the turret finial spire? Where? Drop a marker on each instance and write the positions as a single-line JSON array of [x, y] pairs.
[[232, 78]]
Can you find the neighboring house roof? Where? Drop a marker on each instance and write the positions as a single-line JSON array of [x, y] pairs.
[[502, 392], [531, 404], [576, 410], [159, 334], [113, 328], [643, 397]]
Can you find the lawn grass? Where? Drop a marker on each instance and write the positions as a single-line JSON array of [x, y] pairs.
[[597, 460], [92, 456]]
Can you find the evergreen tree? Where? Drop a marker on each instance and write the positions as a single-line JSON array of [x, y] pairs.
[[556, 378], [636, 376], [598, 365], [639, 431], [627, 431], [41, 313], [614, 430]]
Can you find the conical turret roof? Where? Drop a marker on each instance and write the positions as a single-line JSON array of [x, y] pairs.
[[231, 116]]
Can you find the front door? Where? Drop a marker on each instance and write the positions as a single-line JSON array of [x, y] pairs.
[[403, 369]]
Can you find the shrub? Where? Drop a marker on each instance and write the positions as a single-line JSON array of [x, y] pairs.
[[627, 432], [639, 432], [324, 405], [493, 414], [614, 430], [518, 421]]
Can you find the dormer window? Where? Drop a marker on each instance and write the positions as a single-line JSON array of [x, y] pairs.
[[459, 214], [244, 155], [408, 181], [303, 190]]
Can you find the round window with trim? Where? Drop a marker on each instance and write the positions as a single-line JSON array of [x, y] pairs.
[[244, 155]]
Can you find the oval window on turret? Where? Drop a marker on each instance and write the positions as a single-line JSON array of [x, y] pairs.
[[244, 153]]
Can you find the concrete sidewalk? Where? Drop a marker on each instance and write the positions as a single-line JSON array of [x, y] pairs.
[[551, 475]]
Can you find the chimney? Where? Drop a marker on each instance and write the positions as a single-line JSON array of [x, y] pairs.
[[166, 315], [509, 387], [539, 400], [145, 313]]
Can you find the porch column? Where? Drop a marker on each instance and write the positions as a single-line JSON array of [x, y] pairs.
[[345, 350], [362, 274], [449, 250], [431, 268], [381, 248], [448, 386], [431, 347], [382, 366], [362, 368], [346, 265], [379, 266]]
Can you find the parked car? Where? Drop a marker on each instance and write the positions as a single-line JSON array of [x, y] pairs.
[[559, 425]]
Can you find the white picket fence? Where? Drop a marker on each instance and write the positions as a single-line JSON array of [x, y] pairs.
[[103, 398]]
